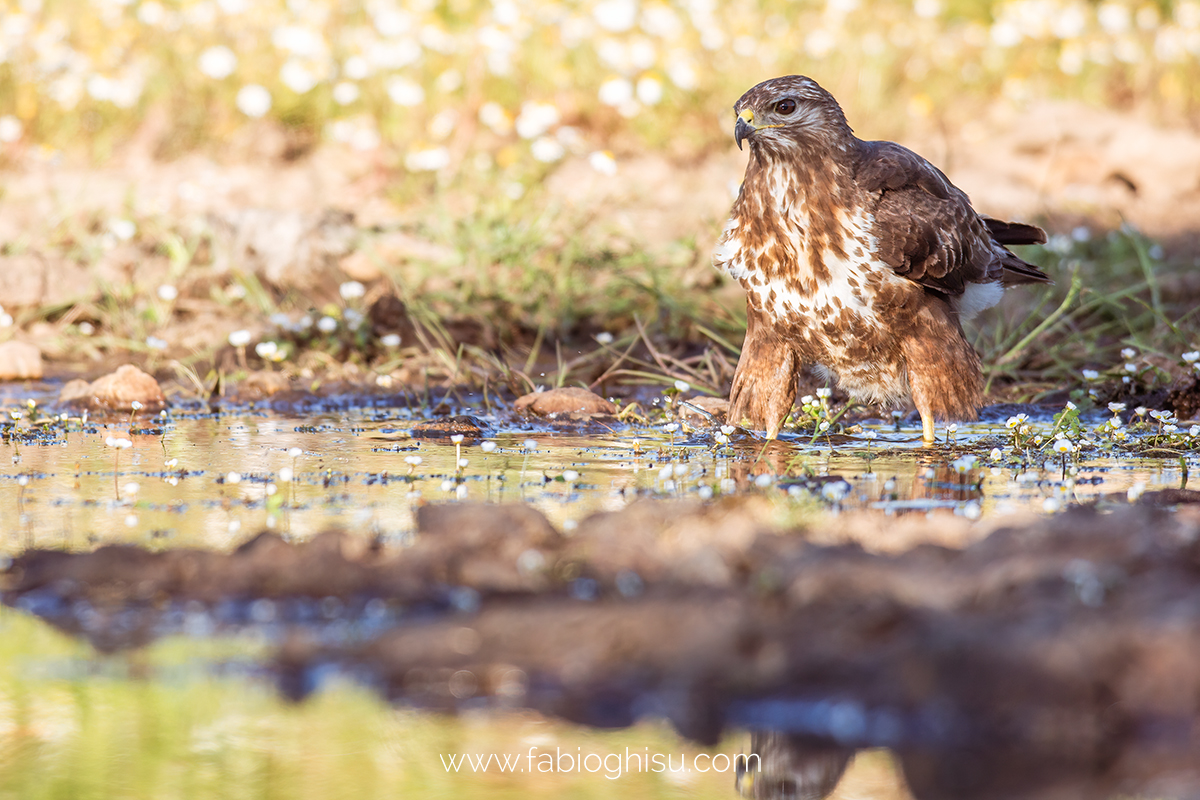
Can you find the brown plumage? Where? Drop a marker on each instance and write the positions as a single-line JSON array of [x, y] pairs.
[[859, 257]]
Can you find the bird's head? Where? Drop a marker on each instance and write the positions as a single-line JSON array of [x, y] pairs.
[[792, 110]]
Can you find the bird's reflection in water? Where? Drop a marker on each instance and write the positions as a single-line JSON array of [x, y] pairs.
[[791, 767]]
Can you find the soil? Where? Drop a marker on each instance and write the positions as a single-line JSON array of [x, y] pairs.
[[301, 224], [1070, 638]]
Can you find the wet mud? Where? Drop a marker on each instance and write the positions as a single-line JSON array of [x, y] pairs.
[[1046, 649]]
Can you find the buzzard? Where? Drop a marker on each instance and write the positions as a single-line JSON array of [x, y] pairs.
[[858, 257]]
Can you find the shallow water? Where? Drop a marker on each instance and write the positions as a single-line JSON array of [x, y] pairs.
[[199, 710], [208, 479]]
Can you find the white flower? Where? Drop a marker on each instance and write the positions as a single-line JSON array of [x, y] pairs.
[[345, 93], [535, 119], [1113, 17], [682, 386], [294, 452], [603, 162], [763, 481], [253, 100], [123, 229], [927, 9], [964, 464], [616, 16], [266, 350], [529, 444], [1090, 375], [671, 427], [405, 92], [616, 92], [547, 150], [356, 68], [495, 117], [649, 90], [1128, 353], [412, 461], [167, 293], [995, 455], [1116, 408], [155, 343], [728, 430], [218, 62], [285, 475], [233, 477], [570, 476], [806, 400], [327, 324], [1194, 430], [390, 340], [1063, 446], [1191, 357], [10, 129], [118, 442], [352, 290], [297, 76], [430, 159], [239, 338], [604, 337], [824, 393], [1170, 428], [487, 447], [1130, 367]]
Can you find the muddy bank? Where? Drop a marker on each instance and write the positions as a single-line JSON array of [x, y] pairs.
[[1072, 637]]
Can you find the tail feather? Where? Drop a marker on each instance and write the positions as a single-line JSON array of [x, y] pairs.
[[1014, 232], [1015, 271]]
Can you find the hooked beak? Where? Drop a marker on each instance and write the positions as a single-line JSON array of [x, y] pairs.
[[744, 126]]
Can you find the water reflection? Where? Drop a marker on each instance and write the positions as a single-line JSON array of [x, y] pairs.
[[215, 479], [795, 767]]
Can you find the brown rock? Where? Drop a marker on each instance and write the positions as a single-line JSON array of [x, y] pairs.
[[388, 315], [567, 400], [445, 427], [121, 389], [75, 389], [20, 361]]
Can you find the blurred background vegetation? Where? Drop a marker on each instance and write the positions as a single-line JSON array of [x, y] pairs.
[[511, 86], [467, 111]]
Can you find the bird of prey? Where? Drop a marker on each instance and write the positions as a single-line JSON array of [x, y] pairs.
[[858, 257]]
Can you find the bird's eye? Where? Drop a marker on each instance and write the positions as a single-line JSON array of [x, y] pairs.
[[785, 106]]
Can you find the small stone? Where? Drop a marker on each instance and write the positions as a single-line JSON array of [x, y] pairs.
[[75, 389], [444, 427], [20, 361], [119, 390], [567, 400]]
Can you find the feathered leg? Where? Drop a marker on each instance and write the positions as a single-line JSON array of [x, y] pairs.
[[944, 371], [764, 385]]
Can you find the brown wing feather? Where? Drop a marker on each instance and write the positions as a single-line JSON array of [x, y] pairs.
[[927, 230], [925, 226]]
